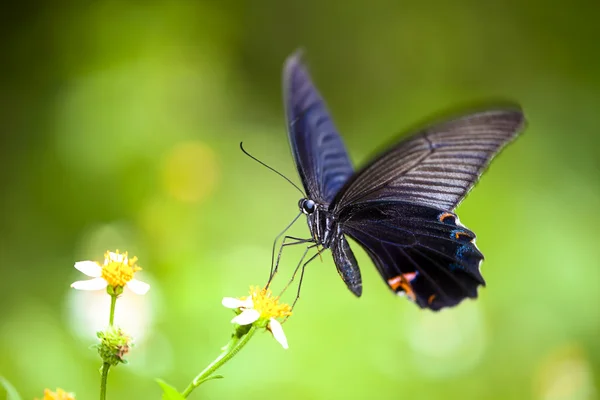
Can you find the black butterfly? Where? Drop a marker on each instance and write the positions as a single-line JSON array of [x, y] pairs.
[[399, 207]]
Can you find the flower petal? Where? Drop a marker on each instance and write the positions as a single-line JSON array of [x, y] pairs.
[[232, 302], [248, 303], [90, 284], [138, 287], [277, 331], [115, 257], [90, 268], [248, 316]]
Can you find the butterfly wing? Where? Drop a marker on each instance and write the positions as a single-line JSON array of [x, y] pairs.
[[320, 155], [399, 207], [420, 252], [438, 166]]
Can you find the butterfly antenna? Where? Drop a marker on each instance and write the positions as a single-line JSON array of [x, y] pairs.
[[271, 168]]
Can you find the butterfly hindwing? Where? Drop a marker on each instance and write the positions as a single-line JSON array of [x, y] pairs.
[[320, 155], [399, 207], [421, 252]]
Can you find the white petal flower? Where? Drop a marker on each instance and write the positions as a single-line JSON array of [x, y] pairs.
[[262, 308], [90, 268], [138, 287], [116, 271], [90, 284], [232, 302], [246, 317], [277, 331]]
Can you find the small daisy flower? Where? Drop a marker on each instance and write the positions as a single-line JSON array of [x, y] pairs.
[[58, 395], [116, 271], [262, 309]]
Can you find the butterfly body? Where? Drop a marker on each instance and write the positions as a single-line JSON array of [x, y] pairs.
[[399, 207]]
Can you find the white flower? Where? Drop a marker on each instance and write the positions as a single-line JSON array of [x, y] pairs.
[[260, 306], [277, 330], [117, 271]]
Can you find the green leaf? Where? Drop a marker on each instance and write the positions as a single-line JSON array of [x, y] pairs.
[[11, 392], [210, 378], [169, 392]]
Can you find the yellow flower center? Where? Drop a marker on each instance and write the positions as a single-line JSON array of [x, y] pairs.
[[268, 305], [118, 269], [58, 395]]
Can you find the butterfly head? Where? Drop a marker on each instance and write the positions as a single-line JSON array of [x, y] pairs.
[[321, 222], [307, 206]]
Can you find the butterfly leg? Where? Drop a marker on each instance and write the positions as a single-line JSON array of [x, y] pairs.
[[302, 277], [301, 265], [271, 274], [298, 267], [275, 266]]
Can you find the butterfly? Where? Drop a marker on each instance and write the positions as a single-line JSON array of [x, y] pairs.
[[400, 206]]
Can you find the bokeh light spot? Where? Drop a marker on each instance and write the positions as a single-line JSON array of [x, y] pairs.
[[89, 310], [565, 374], [111, 236], [190, 172], [450, 342]]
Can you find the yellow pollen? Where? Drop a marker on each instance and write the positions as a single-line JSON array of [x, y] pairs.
[[118, 269], [58, 395], [268, 305]]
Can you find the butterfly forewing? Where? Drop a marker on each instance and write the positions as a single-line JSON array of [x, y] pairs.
[[436, 167], [318, 150]]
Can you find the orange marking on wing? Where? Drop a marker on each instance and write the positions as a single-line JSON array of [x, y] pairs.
[[409, 291], [403, 282], [431, 299], [395, 282], [457, 235], [443, 216]]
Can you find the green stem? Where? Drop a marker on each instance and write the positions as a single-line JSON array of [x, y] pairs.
[[113, 303], [238, 340], [105, 368]]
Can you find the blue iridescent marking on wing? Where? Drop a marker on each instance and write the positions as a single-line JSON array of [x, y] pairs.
[[460, 256], [320, 155]]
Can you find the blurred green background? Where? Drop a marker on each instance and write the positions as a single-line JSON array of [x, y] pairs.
[[119, 128]]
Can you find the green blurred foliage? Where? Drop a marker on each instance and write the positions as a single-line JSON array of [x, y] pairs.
[[119, 128]]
